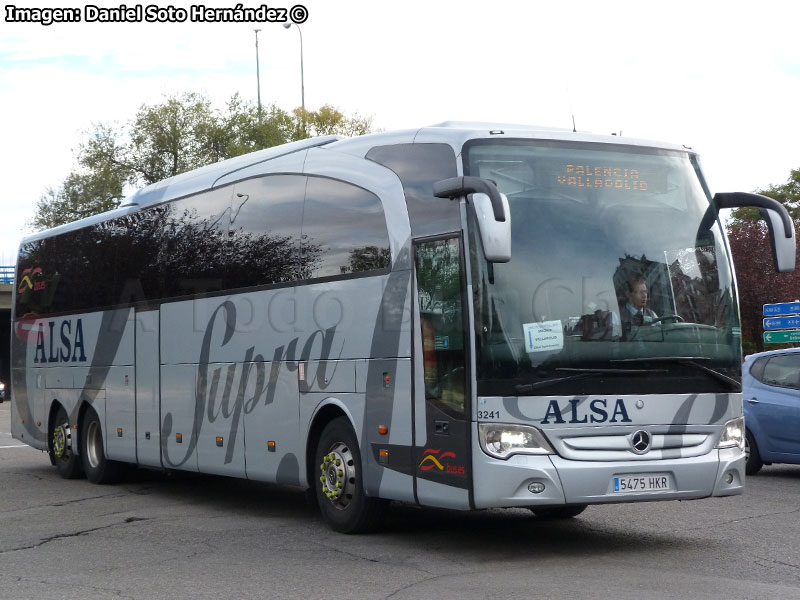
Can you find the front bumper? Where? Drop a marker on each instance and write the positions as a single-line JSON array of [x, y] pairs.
[[505, 483]]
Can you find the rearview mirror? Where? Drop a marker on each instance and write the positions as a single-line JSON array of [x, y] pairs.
[[491, 210], [781, 228], [495, 235]]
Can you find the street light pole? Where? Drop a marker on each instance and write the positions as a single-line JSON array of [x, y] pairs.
[[258, 76], [302, 78]]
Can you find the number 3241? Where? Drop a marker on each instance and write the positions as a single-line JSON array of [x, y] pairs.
[[488, 414]]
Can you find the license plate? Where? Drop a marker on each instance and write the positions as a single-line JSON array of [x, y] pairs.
[[646, 482]]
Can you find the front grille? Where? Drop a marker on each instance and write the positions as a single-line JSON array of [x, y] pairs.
[[617, 446]]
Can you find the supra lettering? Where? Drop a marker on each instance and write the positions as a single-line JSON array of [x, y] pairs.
[[597, 413], [215, 397]]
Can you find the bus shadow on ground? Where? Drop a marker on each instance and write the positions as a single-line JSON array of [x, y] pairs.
[[498, 531]]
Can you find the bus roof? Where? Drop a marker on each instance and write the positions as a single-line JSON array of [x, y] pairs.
[[454, 133]]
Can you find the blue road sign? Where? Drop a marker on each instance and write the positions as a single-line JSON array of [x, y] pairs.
[[782, 323], [784, 308]]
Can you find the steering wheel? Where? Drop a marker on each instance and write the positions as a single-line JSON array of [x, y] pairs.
[[672, 318]]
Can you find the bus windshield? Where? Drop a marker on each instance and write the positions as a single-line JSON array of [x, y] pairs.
[[619, 282]]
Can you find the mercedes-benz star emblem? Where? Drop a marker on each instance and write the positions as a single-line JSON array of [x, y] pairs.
[[640, 442]]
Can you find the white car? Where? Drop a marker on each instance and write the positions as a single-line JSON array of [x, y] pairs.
[[2, 391]]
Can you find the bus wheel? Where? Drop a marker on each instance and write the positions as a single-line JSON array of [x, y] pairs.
[[66, 461], [340, 490], [97, 467], [559, 512], [753, 461]]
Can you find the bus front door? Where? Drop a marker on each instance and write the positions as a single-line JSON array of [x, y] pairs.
[[441, 446]]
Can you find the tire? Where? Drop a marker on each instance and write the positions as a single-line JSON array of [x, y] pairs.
[[559, 512], [753, 462], [68, 463], [340, 487], [97, 467]]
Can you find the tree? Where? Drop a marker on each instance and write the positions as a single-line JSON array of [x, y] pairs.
[[177, 135], [787, 194], [328, 121], [759, 284], [97, 185]]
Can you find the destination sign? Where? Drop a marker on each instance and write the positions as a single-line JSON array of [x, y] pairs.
[[782, 323], [781, 337], [602, 176], [784, 308]]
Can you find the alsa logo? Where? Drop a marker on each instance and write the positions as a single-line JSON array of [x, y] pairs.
[[67, 347], [433, 460], [577, 412], [31, 280]]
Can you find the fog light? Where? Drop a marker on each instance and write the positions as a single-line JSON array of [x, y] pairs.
[[536, 487], [729, 478]]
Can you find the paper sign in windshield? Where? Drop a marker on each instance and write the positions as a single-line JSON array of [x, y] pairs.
[[543, 337]]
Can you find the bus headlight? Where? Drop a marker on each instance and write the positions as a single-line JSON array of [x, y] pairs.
[[502, 440], [732, 434]]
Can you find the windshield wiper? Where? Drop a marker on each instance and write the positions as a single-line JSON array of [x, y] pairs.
[[580, 373], [685, 360]]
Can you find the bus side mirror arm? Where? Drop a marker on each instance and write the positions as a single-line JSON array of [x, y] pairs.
[[781, 228], [461, 186], [491, 212]]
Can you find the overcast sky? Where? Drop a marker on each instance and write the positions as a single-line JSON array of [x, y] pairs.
[[721, 77]]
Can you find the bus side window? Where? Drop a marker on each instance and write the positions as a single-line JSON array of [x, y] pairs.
[[137, 238], [266, 215], [193, 247], [344, 230], [418, 166], [35, 281]]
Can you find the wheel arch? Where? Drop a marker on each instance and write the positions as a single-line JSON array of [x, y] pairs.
[[84, 407], [329, 409]]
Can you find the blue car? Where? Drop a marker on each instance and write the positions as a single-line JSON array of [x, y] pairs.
[[771, 393]]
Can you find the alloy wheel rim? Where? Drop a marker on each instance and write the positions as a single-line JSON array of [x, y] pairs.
[[61, 441], [338, 475]]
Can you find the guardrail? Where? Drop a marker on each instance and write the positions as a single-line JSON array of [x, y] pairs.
[[7, 274]]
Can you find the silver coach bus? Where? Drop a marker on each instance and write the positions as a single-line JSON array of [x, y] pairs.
[[438, 316]]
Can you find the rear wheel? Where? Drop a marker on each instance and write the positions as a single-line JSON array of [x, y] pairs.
[[559, 512], [97, 467], [753, 461], [339, 487], [66, 461]]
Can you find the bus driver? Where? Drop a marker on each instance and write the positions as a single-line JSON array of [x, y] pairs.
[[635, 311]]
